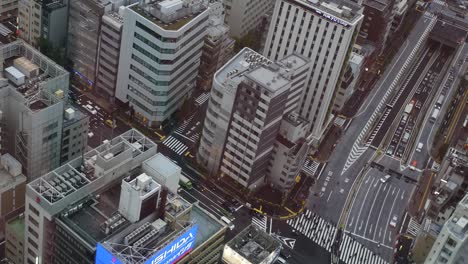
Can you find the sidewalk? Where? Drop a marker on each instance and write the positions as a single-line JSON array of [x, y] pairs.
[[421, 193]]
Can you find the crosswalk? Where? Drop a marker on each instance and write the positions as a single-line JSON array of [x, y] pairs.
[[322, 233], [202, 98], [429, 14], [260, 222], [440, 2], [175, 145], [182, 127], [413, 227], [310, 167]]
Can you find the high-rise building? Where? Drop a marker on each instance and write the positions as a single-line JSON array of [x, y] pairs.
[[160, 56], [218, 46], [43, 18], [243, 16], [323, 31], [377, 22], [8, 8], [108, 55], [84, 23], [31, 107], [252, 245], [108, 204], [451, 245], [249, 97]]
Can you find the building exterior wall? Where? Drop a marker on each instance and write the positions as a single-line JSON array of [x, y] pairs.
[[74, 138], [325, 42], [108, 56], [84, 23], [158, 67], [29, 20], [451, 245], [8, 8], [243, 16], [14, 240], [377, 22], [55, 22]]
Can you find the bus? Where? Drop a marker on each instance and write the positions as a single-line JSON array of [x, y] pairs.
[[185, 182]]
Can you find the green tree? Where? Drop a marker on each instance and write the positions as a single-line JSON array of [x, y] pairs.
[[251, 40]]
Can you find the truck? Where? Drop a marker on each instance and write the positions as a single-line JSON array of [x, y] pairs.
[[409, 107], [440, 100], [434, 115], [185, 182]]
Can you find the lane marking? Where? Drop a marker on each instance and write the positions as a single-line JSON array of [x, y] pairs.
[[389, 217]]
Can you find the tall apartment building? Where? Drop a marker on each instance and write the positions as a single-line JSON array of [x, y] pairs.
[[43, 18], [218, 46], [84, 23], [377, 22], [109, 205], [243, 16], [8, 8], [160, 56], [323, 31], [249, 97], [108, 55], [451, 245]]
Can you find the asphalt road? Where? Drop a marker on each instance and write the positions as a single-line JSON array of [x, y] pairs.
[[375, 206], [329, 194]]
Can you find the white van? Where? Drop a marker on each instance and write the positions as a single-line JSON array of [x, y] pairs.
[[228, 222], [419, 147]]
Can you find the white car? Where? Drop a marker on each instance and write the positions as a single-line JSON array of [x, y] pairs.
[[90, 134], [385, 178], [393, 222]]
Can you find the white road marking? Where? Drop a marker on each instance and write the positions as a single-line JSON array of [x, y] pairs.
[[365, 198], [390, 216]]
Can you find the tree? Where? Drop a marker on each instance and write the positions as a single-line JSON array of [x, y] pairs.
[[252, 40]]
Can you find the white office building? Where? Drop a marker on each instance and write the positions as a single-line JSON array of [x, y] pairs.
[[249, 97], [323, 31], [243, 16], [160, 56], [451, 245]]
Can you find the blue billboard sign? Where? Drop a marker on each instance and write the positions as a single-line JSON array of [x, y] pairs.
[[170, 254], [176, 250], [105, 257]]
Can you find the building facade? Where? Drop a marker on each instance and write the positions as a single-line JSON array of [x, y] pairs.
[[218, 46], [377, 23], [43, 18], [84, 23], [33, 109], [249, 97], [74, 134], [108, 55], [160, 56], [14, 240], [290, 151], [243, 16], [8, 8], [108, 205], [324, 32], [451, 245]]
